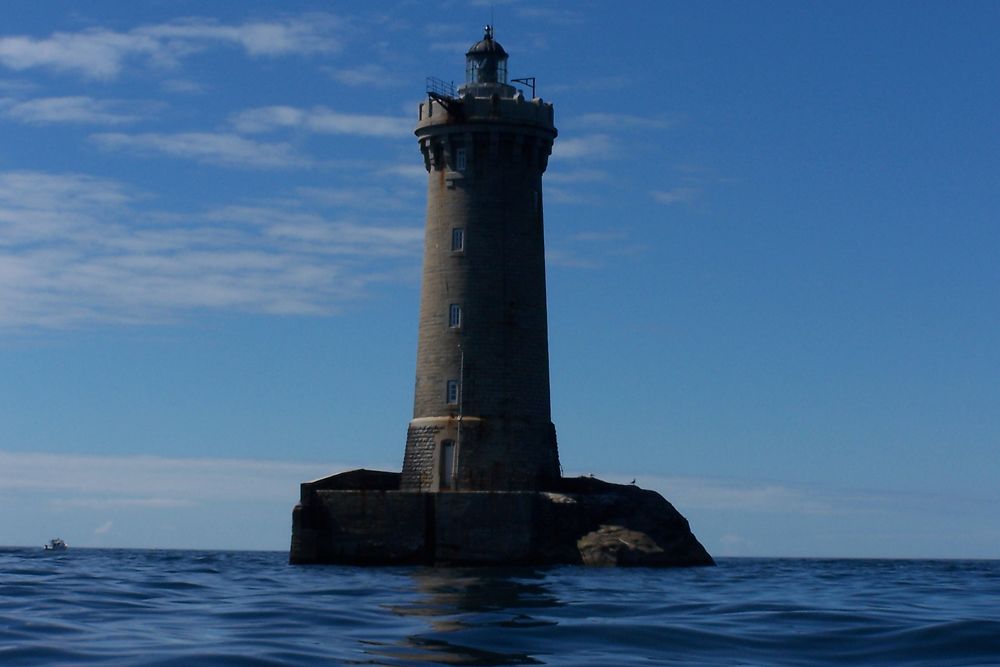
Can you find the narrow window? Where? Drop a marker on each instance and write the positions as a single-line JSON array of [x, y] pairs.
[[447, 463], [455, 316], [452, 392], [459, 159], [458, 239]]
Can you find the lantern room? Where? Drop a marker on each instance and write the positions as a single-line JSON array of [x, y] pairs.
[[486, 61]]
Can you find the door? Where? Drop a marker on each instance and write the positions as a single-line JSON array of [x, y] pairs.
[[447, 463]]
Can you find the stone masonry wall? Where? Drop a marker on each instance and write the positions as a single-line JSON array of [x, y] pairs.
[[499, 353], [418, 460]]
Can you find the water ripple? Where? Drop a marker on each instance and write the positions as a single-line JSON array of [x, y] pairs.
[[120, 607]]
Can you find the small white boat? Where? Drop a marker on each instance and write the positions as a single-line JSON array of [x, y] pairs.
[[56, 545]]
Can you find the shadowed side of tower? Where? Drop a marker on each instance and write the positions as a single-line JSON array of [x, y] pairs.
[[481, 418], [481, 482]]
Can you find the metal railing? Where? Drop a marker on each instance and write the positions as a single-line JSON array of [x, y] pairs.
[[440, 87]]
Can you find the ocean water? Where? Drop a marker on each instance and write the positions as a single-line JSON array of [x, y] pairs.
[[132, 607]]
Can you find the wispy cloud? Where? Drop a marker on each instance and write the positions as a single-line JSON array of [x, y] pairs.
[[365, 198], [560, 16], [152, 501], [150, 482], [784, 498], [679, 195], [599, 236], [576, 176], [621, 121], [100, 53], [452, 46], [77, 109], [323, 236], [748, 496], [412, 172], [370, 74], [570, 259], [183, 86], [321, 120], [310, 33], [586, 146], [588, 249], [572, 196], [219, 148], [17, 87], [104, 502], [590, 85], [77, 250]]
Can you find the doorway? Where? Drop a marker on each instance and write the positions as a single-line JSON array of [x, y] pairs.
[[447, 464]]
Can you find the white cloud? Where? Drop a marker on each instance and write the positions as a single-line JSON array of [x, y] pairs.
[[366, 198], [32, 191], [103, 503], [599, 237], [99, 53], [768, 497], [96, 54], [369, 74], [320, 120], [104, 528], [592, 84], [219, 148], [452, 46], [621, 121], [183, 86], [310, 33], [17, 87], [75, 250], [413, 172], [78, 109], [150, 482], [578, 196], [569, 259], [560, 16], [679, 195], [583, 147], [718, 494], [576, 176]]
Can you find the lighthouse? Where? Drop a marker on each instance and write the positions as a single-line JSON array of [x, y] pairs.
[[481, 416], [481, 482]]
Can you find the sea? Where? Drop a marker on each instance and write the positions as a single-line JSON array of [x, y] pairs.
[[150, 607]]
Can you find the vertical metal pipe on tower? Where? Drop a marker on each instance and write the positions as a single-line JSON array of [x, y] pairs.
[[482, 354]]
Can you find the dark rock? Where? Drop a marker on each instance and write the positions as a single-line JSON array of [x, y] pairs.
[[360, 517]]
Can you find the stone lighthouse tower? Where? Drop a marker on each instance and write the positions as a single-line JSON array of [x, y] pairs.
[[481, 416], [481, 482]]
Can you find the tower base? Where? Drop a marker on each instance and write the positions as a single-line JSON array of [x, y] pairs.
[[362, 518]]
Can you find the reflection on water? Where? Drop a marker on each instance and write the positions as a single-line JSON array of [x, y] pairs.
[[473, 602]]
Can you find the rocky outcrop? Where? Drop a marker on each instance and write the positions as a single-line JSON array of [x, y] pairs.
[[618, 524], [362, 517]]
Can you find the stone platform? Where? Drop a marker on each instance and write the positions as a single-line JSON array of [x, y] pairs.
[[362, 517]]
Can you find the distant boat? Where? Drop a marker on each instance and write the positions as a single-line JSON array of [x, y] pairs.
[[56, 545]]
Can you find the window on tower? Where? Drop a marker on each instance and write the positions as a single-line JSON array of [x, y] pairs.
[[459, 159], [458, 239], [452, 393], [455, 316]]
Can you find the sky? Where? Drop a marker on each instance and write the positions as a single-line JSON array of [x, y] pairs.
[[771, 236]]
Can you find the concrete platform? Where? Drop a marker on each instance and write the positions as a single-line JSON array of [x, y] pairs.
[[362, 518]]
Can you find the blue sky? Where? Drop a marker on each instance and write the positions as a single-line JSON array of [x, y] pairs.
[[771, 233]]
